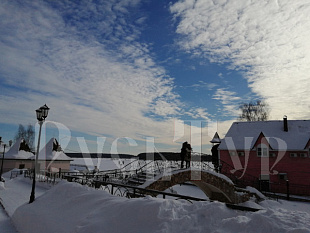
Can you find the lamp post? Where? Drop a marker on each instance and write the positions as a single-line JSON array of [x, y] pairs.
[[4, 145], [42, 113]]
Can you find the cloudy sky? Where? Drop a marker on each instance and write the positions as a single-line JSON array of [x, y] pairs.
[[127, 73]]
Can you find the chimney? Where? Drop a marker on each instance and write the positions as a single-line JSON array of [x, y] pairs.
[[285, 126]]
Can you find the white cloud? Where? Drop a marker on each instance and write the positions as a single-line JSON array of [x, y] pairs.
[[229, 100], [91, 74], [266, 39], [202, 85], [201, 113]]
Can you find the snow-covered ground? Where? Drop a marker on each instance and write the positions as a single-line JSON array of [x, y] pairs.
[[6, 225], [103, 164], [70, 207]]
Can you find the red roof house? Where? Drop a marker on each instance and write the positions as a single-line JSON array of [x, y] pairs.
[[270, 154]]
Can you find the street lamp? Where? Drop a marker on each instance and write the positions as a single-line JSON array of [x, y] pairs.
[[4, 145], [42, 113]]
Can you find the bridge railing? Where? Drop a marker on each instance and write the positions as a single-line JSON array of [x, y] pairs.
[[133, 192], [122, 174], [148, 166], [139, 166], [41, 176]]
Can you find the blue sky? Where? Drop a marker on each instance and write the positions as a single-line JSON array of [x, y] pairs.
[[130, 70]]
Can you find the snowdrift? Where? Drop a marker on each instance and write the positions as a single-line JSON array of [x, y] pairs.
[[70, 207]]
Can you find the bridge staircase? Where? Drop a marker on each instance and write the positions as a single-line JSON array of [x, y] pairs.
[[150, 170], [140, 178], [138, 171]]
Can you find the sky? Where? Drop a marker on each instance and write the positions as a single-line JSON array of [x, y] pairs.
[[129, 75]]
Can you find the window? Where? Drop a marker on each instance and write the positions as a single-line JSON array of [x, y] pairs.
[[293, 155], [271, 154], [264, 177], [241, 153], [232, 153], [262, 150], [283, 176], [303, 155]]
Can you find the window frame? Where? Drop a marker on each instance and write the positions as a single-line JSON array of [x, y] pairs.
[[262, 150], [293, 155], [240, 153], [283, 176], [272, 154], [232, 153]]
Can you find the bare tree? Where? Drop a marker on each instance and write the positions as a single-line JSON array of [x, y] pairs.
[[254, 111], [26, 134], [21, 133], [30, 134]]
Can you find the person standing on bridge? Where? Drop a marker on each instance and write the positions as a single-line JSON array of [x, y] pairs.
[[188, 155], [183, 153], [215, 157]]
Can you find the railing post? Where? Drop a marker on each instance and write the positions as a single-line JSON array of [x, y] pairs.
[[156, 162], [287, 189]]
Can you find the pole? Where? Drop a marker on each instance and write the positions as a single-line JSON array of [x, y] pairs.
[[32, 196], [287, 189], [2, 162]]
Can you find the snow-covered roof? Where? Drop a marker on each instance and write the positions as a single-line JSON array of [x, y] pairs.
[[52, 151], [243, 135], [216, 138], [16, 152], [1, 149]]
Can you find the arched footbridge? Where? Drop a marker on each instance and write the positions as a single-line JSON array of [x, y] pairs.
[[144, 176], [215, 186]]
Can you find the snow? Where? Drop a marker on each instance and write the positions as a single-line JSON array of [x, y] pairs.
[[71, 207], [103, 164], [15, 153], [18, 191], [47, 152], [186, 190], [20, 155], [170, 173], [6, 225], [295, 139], [254, 190], [2, 186]]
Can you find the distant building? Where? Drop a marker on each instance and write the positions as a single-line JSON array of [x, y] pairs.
[[17, 156], [216, 138], [273, 152], [52, 158]]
